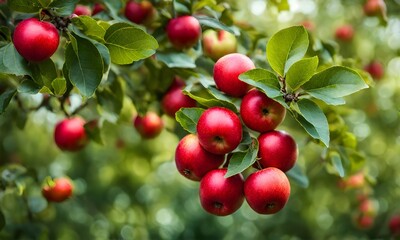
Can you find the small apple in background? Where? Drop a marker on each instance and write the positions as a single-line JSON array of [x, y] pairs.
[[354, 181], [309, 25], [219, 195], [139, 12], [82, 10], [219, 130], [277, 149], [375, 8], [267, 191], [376, 69], [217, 44], [368, 207], [394, 225], [183, 32], [345, 33], [58, 191], [193, 161], [174, 99], [226, 74], [36, 40], [261, 113], [364, 221], [97, 8], [70, 134], [149, 126]]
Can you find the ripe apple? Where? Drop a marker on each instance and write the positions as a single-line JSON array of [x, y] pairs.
[[81, 10], [364, 221], [219, 130], [374, 8], [226, 74], [277, 149], [217, 44], [36, 40], [139, 12], [149, 125], [219, 195], [70, 134], [261, 113], [183, 32], [368, 207], [309, 25], [97, 8], [193, 161], [354, 181], [59, 191], [345, 33], [267, 191], [375, 68], [394, 225], [174, 99]]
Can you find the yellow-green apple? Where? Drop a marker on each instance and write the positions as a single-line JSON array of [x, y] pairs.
[[219, 130], [217, 44], [59, 190], [139, 12], [70, 134], [148, 126], [226, 74], [375, 69], [81, 10], [174, 99], [219, 195], [345, 32], [183, 32]]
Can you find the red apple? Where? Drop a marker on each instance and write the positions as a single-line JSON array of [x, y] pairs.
[[267, 191], [193, 161], [70, 134], [375, 68], [375, 8], [139, 12], [59, 191], [219, 195], [394, 225], [309, 25], [261, 113], [345, 33], [174, 99], [219, 130], [149, 125], [217, 44], [97, 8], [183, 32], [226, 74], [354, 181], [368, 207], [82, 10], [364, 221], [36, 40], [277, 149]]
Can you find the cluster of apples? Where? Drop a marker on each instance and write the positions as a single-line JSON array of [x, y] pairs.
[[205, 155]]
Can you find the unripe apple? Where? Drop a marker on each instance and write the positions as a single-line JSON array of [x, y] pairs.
[[82, 10], [394, 225], [277, 149], [183, 32], [261, 113], [345, 33], [149, 125], [97, 8], [374, 8], [219, 130], [193, 161], [174, 99], [226, 74], [70, 134], [36, 40], [375, 68], [217, 44], [219, 195], [267, 191], [139, 12], [59, 191]]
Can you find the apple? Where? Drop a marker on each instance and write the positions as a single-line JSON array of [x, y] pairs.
[[60, 190], [375, 69], [183, 32], [368, 207], [364, 221], [309, 25], [267, 191], [36, 40], [226, 74], [174, 99], [394, 225], [354, 181], [97, 8], [193, 161], [261, 113], [217, 44], [345, 33], [277, 149], [149, 126], [70, 134], [374, 8], [139, 13], [219, 130], [219, 195], [82, 10]]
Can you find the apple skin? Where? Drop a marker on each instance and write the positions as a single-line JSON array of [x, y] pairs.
[[35, 40], [82, 10], [375, 69], [261, 113], [174, 99], [183, 32], [345, 33], [149, 125], [219, 130], [219, 195], [70, 134], [267, 191], [193, 161], [217, 44], [226, 74], [394, 225], [97, 8], [61, 190], [374, 8], [277, 149], [139, 13]]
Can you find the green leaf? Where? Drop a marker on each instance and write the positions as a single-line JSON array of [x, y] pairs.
[[25, 6], [297, 175], [44, 72], [128, 43], [13, 63], [188, 118], [5, 99], [59, 86], [63, 8], [103, 50], [84, 65], [313, 120], [300, 72], [337, 163], [94, 132], [334, 83], [214, 23], [240, 161], [111, 98], [287, 47], [29, 86], [5, 34], [176, 60], [90, 27]]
